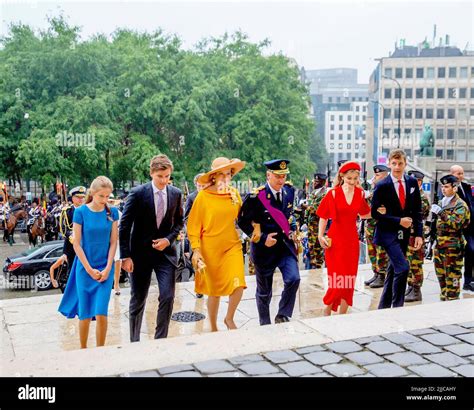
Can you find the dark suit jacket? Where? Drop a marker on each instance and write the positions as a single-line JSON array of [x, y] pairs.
[[466, 195], [388, 226], [253, 211], [189, 204], [138, 224]]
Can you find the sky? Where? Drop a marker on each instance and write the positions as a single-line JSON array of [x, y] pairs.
[[317, 34]]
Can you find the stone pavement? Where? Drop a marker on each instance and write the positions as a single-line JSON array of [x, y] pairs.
[[31, 326], [443, 351]]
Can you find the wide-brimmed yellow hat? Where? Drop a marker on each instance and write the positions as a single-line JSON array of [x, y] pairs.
[[221, 164]]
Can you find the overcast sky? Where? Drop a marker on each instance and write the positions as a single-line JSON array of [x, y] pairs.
[[318, 34]]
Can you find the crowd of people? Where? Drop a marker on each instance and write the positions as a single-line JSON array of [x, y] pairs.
[[155, 230]]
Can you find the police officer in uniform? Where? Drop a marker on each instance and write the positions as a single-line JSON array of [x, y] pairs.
[[377, 255], [416, 257], [268, 209], [453, 217], [316, 252], [78, 194]]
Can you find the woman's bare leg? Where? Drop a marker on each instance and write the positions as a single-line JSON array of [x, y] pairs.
[[118, 266], [212, 310], [84, 332], [234, 300], [344, 307], [101, 330], [327, 310]]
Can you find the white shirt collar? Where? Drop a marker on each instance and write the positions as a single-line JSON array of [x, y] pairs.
[[155, 189], [275, 192], [395, 180]]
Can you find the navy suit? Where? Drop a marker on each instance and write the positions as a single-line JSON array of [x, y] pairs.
[[282, 255], [393, 237], [137, 230]]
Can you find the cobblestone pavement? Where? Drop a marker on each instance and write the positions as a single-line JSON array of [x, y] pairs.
[[444, 351]]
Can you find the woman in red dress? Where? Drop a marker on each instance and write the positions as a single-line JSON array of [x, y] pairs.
[[342, 205]]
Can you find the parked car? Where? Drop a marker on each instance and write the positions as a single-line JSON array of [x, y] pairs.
[[30, 269]]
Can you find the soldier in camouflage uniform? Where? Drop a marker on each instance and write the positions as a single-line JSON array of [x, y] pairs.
[[453, 216], [415, 258], [377, 255], [316, 253]]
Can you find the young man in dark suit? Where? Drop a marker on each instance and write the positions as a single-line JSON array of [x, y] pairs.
[[465, 193], [396, 206], [150, 223]]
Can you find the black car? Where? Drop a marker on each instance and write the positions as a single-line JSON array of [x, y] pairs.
[[30, 269]]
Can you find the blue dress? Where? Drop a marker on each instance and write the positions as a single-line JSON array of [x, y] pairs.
[[85, 297]]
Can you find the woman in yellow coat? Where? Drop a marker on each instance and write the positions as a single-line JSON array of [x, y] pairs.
[[217, 248]]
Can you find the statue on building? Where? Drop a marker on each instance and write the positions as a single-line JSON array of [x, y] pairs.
[[427, 142]]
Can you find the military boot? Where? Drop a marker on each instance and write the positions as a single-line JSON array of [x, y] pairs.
[[369, 281], [414, 295], [378, 282]]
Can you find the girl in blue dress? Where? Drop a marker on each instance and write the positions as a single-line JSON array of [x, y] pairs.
[[89, 286]]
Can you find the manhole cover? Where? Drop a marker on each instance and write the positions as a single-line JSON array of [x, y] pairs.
[[187, 316]]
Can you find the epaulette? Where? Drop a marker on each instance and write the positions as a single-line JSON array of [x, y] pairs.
[[288, 183], [255, 191]]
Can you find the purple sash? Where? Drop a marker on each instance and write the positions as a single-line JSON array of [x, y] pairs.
[[276, 214]]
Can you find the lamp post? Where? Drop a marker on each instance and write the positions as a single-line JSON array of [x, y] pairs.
[[399, 105], [383, 119]]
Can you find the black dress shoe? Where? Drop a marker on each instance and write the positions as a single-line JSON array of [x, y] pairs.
[[378, 282], [281, 319], [469, 287], [199, 295]]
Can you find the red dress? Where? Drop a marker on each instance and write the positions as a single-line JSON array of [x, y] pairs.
[[342, 258]]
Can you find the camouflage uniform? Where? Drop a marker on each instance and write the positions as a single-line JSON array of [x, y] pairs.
[[449, 250], [377, 255], [415, 258], [316, 253]]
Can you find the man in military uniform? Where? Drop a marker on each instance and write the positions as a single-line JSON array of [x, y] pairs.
[[34, 213], [416, 257], [4, 215], [453, 216], [377, 255], [316, 253], [78, 194], [265, 216]]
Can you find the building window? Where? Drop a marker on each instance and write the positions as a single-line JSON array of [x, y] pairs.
[[363, 118], [387, 93], [441, 72], [364, 108], [420, 72], [340, 137], [331, 146], [429, 113], [439, 134], [453, 72], [462, 114], [440, 113], [408, 113], [408, 92], [332, 127], [471, 134], [451, 113], [462, 133], [388, 72], [348, 146], [349, 136], [472, 92], [339, 146], [471, 112], [340, 118], [419, 113], [386, 133], [440, 92], [332, 117], [357, 118], [349, 127], [419, 93], [356, 146], [340, 127], [396, 113], [398, 72], [407, 132], [461, 155], [408, 72], [430, 72], [363, 146], [452, 93], [387, 113], [463, 93], [349, 118], [357, 108], [450, 134], [331, 136], [397, 92], [330, 99], [449, 154], [463, 72], [430, 93]]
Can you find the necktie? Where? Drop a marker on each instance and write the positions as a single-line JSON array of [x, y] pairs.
[[401, 194], [160, 207], [279, 199]]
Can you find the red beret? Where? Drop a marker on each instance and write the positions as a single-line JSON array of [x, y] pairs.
[[348, 166]]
